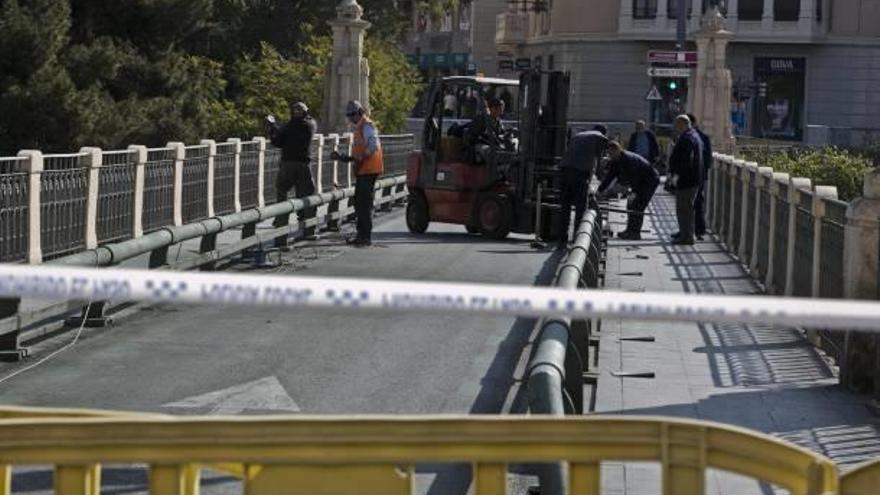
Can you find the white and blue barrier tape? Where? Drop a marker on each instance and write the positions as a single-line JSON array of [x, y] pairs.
[[59, 283]]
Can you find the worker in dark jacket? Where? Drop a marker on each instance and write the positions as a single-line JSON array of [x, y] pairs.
[[700, 203], [486, 133], [578, 165], [629, 168], [643, 142], [295, 141], [686, 176]]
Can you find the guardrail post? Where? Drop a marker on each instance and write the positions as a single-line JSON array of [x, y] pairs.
[[212, 158], [819, 196], [179, 158], [261, 171], [34, 167], [746, 177], [861, 258], [236, 142], [334, 138], [764, 174], [735, 173], [795, 185], [778, 177], [319, 168], [94, 160], [139, 181], [349, 180]]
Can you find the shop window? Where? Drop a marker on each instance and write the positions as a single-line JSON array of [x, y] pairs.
[[750, 10], [786, 10], [644, 9]]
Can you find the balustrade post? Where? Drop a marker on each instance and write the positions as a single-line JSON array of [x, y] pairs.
[[179, 158], [747, 170], [34, 168], [820, 194], [94, 160], [140, 163], [236, 142], [778, 178], [795, 185], [764, 174], [319, 168], [350, 136], [735, 172], [334, 138], [212, 159], [261, 171]]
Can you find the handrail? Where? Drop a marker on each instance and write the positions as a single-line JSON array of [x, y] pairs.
[[377, 454]]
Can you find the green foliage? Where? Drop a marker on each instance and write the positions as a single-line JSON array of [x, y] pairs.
[[827, 166], [394, 86]]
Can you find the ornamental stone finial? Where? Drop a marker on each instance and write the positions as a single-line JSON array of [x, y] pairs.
[[349, 10]]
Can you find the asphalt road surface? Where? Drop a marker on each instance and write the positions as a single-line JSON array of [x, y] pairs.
[[241, 360]]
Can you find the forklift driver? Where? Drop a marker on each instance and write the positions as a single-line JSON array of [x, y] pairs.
[[486, 132]]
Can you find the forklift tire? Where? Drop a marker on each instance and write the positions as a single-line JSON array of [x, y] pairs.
[[417, 218], [494, 215], [472, 229]]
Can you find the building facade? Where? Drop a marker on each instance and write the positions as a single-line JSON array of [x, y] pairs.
[[802, 69]]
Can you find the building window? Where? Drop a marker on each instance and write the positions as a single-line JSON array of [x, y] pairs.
[[672, 12], [786, 10], [721, 4], [750, 10], [644, 9]]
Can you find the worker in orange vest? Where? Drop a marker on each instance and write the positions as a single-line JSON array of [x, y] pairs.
[[369, 164]]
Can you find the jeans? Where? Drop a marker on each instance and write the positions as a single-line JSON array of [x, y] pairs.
[[364, 194], [298, 176], [684, 209], [574, 192]]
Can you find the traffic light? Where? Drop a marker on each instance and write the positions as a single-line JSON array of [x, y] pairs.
[[672, 85]]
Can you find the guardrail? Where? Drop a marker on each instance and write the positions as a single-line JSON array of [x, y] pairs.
[[798, 239], [378, 455], [97, 208], [561, 357]]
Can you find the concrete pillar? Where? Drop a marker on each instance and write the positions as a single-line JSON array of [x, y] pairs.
[[711, 85], [861, 256], [179, 158], [775, 194], [768, 17], [236, 142], [94, 160], [747, 170], [212, 159], [765, 174], [349, 72], [319, 166], [794, 186], [34, 168], [820, 194], [140, 162], [261, 171]]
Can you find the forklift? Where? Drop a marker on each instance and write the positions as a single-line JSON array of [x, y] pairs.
[[492, 191]]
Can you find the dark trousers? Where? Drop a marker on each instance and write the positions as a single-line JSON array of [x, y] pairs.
[[574, 193], [700, 211], [637, 207], [298, 176], [364, 194], [684, 208]]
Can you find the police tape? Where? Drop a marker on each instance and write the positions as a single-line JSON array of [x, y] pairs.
[[57, 283]]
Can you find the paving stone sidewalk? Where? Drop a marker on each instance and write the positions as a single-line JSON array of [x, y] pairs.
[[761, 377]]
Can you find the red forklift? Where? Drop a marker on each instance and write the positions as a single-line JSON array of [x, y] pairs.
[[512, 188]]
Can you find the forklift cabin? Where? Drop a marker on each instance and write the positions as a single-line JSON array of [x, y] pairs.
[[492, 190]]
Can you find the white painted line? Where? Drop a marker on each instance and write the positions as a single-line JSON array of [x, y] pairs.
[[259, 396]]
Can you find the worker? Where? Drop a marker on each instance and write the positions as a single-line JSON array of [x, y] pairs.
[[686, 176], [708, 159], [643, 142], [486, 129], [578, 165], [369, 164], [630, 168], [295, 141]]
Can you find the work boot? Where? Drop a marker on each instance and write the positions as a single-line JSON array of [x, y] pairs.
[[683, 242]]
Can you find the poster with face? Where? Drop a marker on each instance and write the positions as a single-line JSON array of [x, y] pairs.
[[779, 113]]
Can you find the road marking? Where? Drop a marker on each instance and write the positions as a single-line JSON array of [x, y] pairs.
[[263, 395]]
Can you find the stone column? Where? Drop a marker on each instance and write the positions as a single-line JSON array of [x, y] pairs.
[[33, 166], [711, 85], [767, 19], [349, 72], [94, 161], [794, 186]]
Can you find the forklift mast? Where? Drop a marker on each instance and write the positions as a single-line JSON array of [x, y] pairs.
[[543, 133]]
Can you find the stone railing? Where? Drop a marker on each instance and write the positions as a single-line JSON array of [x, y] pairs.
[[55, 205], [798, 239]]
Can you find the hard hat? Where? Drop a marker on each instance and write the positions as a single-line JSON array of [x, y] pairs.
[[299, 107], [354, 107]]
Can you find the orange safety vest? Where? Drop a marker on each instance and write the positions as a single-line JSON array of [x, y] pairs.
[[375, 163]]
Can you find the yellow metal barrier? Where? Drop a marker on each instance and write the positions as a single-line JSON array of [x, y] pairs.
[[865, 478], [367, 455]]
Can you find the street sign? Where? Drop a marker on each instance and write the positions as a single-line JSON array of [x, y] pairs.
[[672, 57], [654, 94], [669, 72], [524, 63]]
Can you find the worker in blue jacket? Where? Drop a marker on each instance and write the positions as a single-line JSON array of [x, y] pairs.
[[635, 171]]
